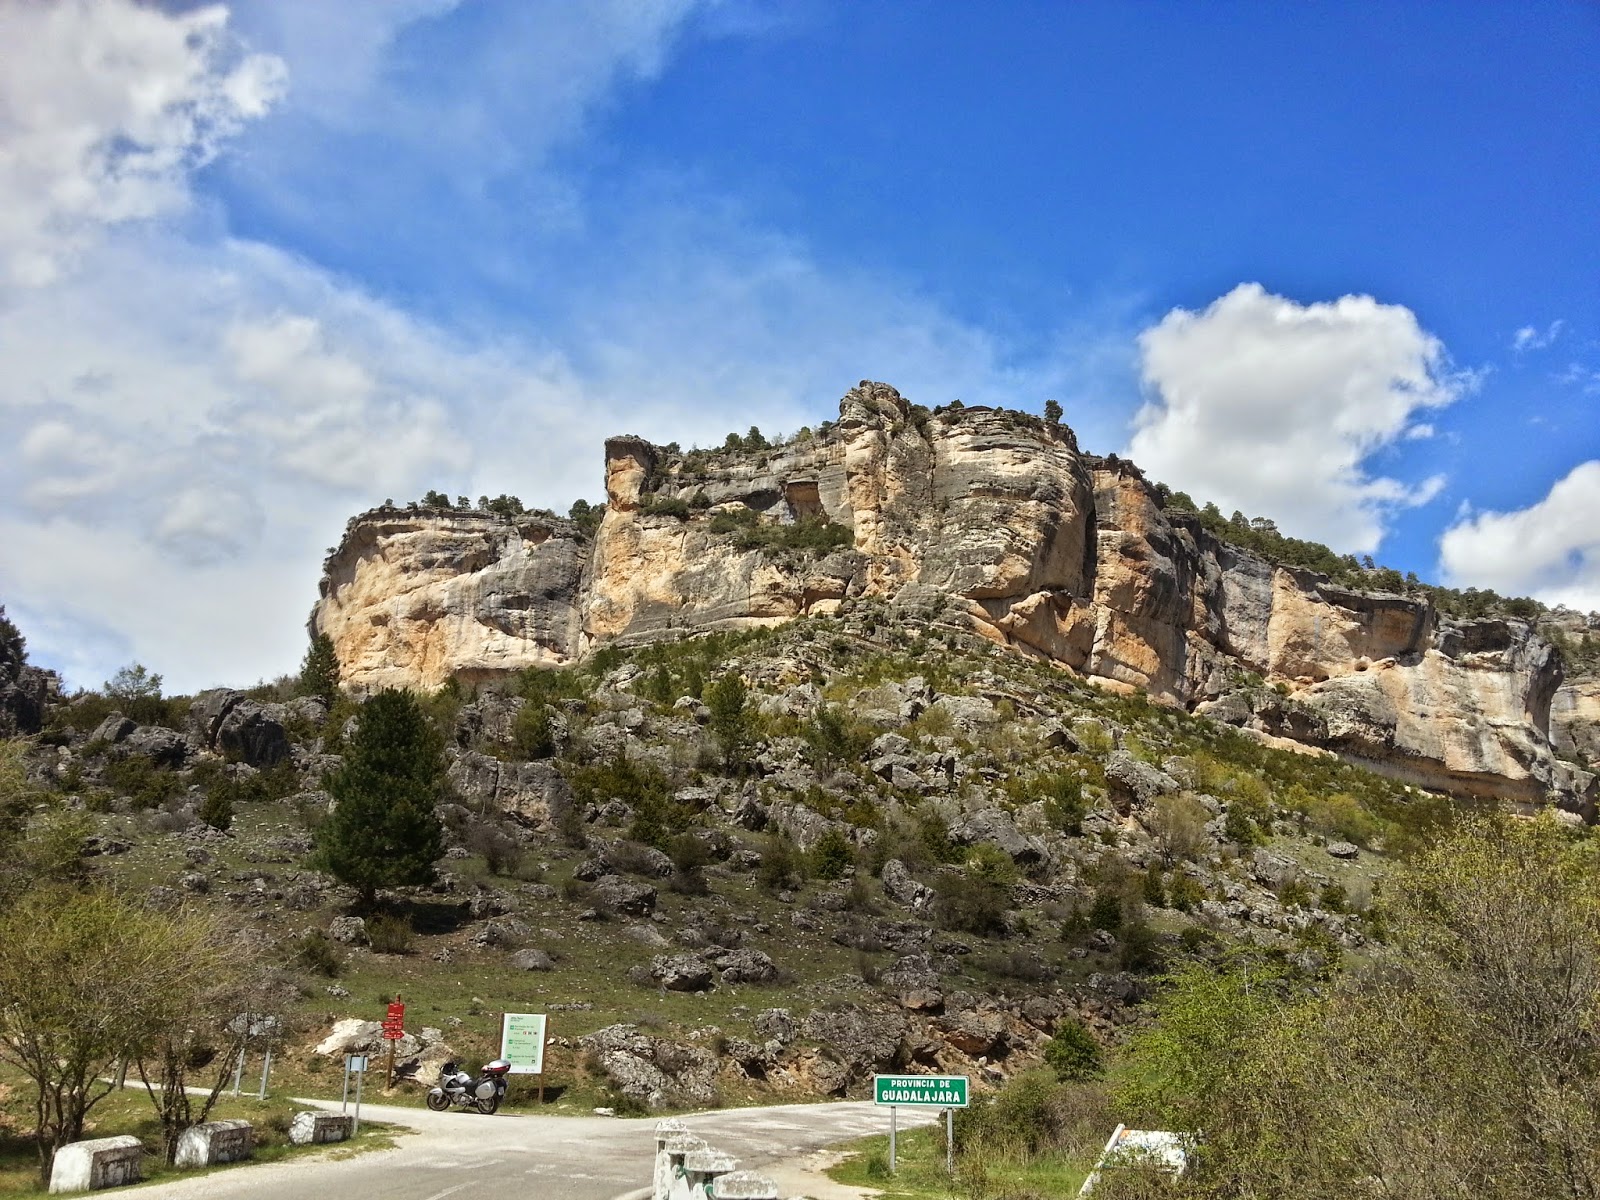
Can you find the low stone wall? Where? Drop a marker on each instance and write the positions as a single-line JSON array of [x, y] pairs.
[[688, 1168], [310, 1128], [101, 1163], [215, 1142]]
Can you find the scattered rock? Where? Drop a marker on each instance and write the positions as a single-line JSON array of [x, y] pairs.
[[625, 896], [348, 931]]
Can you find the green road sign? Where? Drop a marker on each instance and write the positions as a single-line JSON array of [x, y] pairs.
[[923, 1091], [522, 1038]]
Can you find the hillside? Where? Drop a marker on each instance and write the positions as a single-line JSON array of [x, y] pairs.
[[901, 846]]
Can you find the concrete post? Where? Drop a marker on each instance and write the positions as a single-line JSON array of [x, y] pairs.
[[746, 1185], [702, 1169], [661, 1181], [679, 1146]]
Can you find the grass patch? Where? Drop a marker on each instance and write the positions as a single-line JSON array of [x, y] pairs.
[[920, 1173]]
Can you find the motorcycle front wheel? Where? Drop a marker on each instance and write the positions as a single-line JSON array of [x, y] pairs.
[[488, 1105], [437, 1100]]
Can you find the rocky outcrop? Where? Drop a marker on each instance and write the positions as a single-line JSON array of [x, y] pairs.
[[1575, 721], [992, 514]]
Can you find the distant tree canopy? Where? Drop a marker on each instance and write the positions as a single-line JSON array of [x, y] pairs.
[[383, 831], [13, 648], [1052, 411], [586, 516], [503, 505], [1260, 535], [136, 691]]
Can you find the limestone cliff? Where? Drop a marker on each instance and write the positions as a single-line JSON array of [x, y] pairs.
[[1045, 549]]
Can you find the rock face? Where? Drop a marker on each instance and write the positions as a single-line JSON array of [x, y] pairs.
[[993, 515]]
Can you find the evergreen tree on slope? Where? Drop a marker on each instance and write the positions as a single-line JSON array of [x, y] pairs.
[[383, 830]]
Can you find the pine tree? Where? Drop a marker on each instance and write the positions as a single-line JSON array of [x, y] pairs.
[[319, 670], [383, 831], [1052, 411]]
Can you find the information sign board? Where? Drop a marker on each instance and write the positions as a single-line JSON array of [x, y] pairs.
[[356, 1062], [522, 1042], [920, 1091], [394, 1022]]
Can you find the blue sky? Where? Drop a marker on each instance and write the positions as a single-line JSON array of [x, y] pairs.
[[264, 264]]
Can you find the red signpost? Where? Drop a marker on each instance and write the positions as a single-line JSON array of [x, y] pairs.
[[394, 1022]]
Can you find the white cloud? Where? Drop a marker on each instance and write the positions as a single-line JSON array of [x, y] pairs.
[[1529, 338], [106, 106], [1277, 409], [1585, 379], [1549, 550], [198, 417]]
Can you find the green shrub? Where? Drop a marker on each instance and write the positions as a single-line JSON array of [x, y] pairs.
[[782, 867], [389, 934], [533, 734], [833, 738], [831, 856], [1155, 893], [1185, 892], [317, 952], [1106, 911], [1073, 1052], [501, 852], [1238, 827], [970, 903], [216, 810], [1138, 948], [139, 778], [669, 506]]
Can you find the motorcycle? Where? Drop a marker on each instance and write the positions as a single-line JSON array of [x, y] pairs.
[[456, 1087]]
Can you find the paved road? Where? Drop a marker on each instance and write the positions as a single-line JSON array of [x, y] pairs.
[[510, 1156]]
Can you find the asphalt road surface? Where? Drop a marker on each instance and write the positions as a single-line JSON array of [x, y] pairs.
[[507, 1155]]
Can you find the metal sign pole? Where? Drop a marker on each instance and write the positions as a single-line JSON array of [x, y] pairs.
[[355, 1124], [344, 1100], [238, 1072], [266, 1068], [892, 1109], [949, 1141], [542, 1045]]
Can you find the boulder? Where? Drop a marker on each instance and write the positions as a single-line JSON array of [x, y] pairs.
[[976, 1032], [625, 896], [250, 734], [348, 931], [112, 730], [349, 1036], [860, 1040], [1133, 783], [683, 973], [915, 983], [164, 747], [745, 966], [899, 885], [533, 960], [503, 932], [994, 827]]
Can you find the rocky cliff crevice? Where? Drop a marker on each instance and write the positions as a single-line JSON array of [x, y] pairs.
[[1047, 550]]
